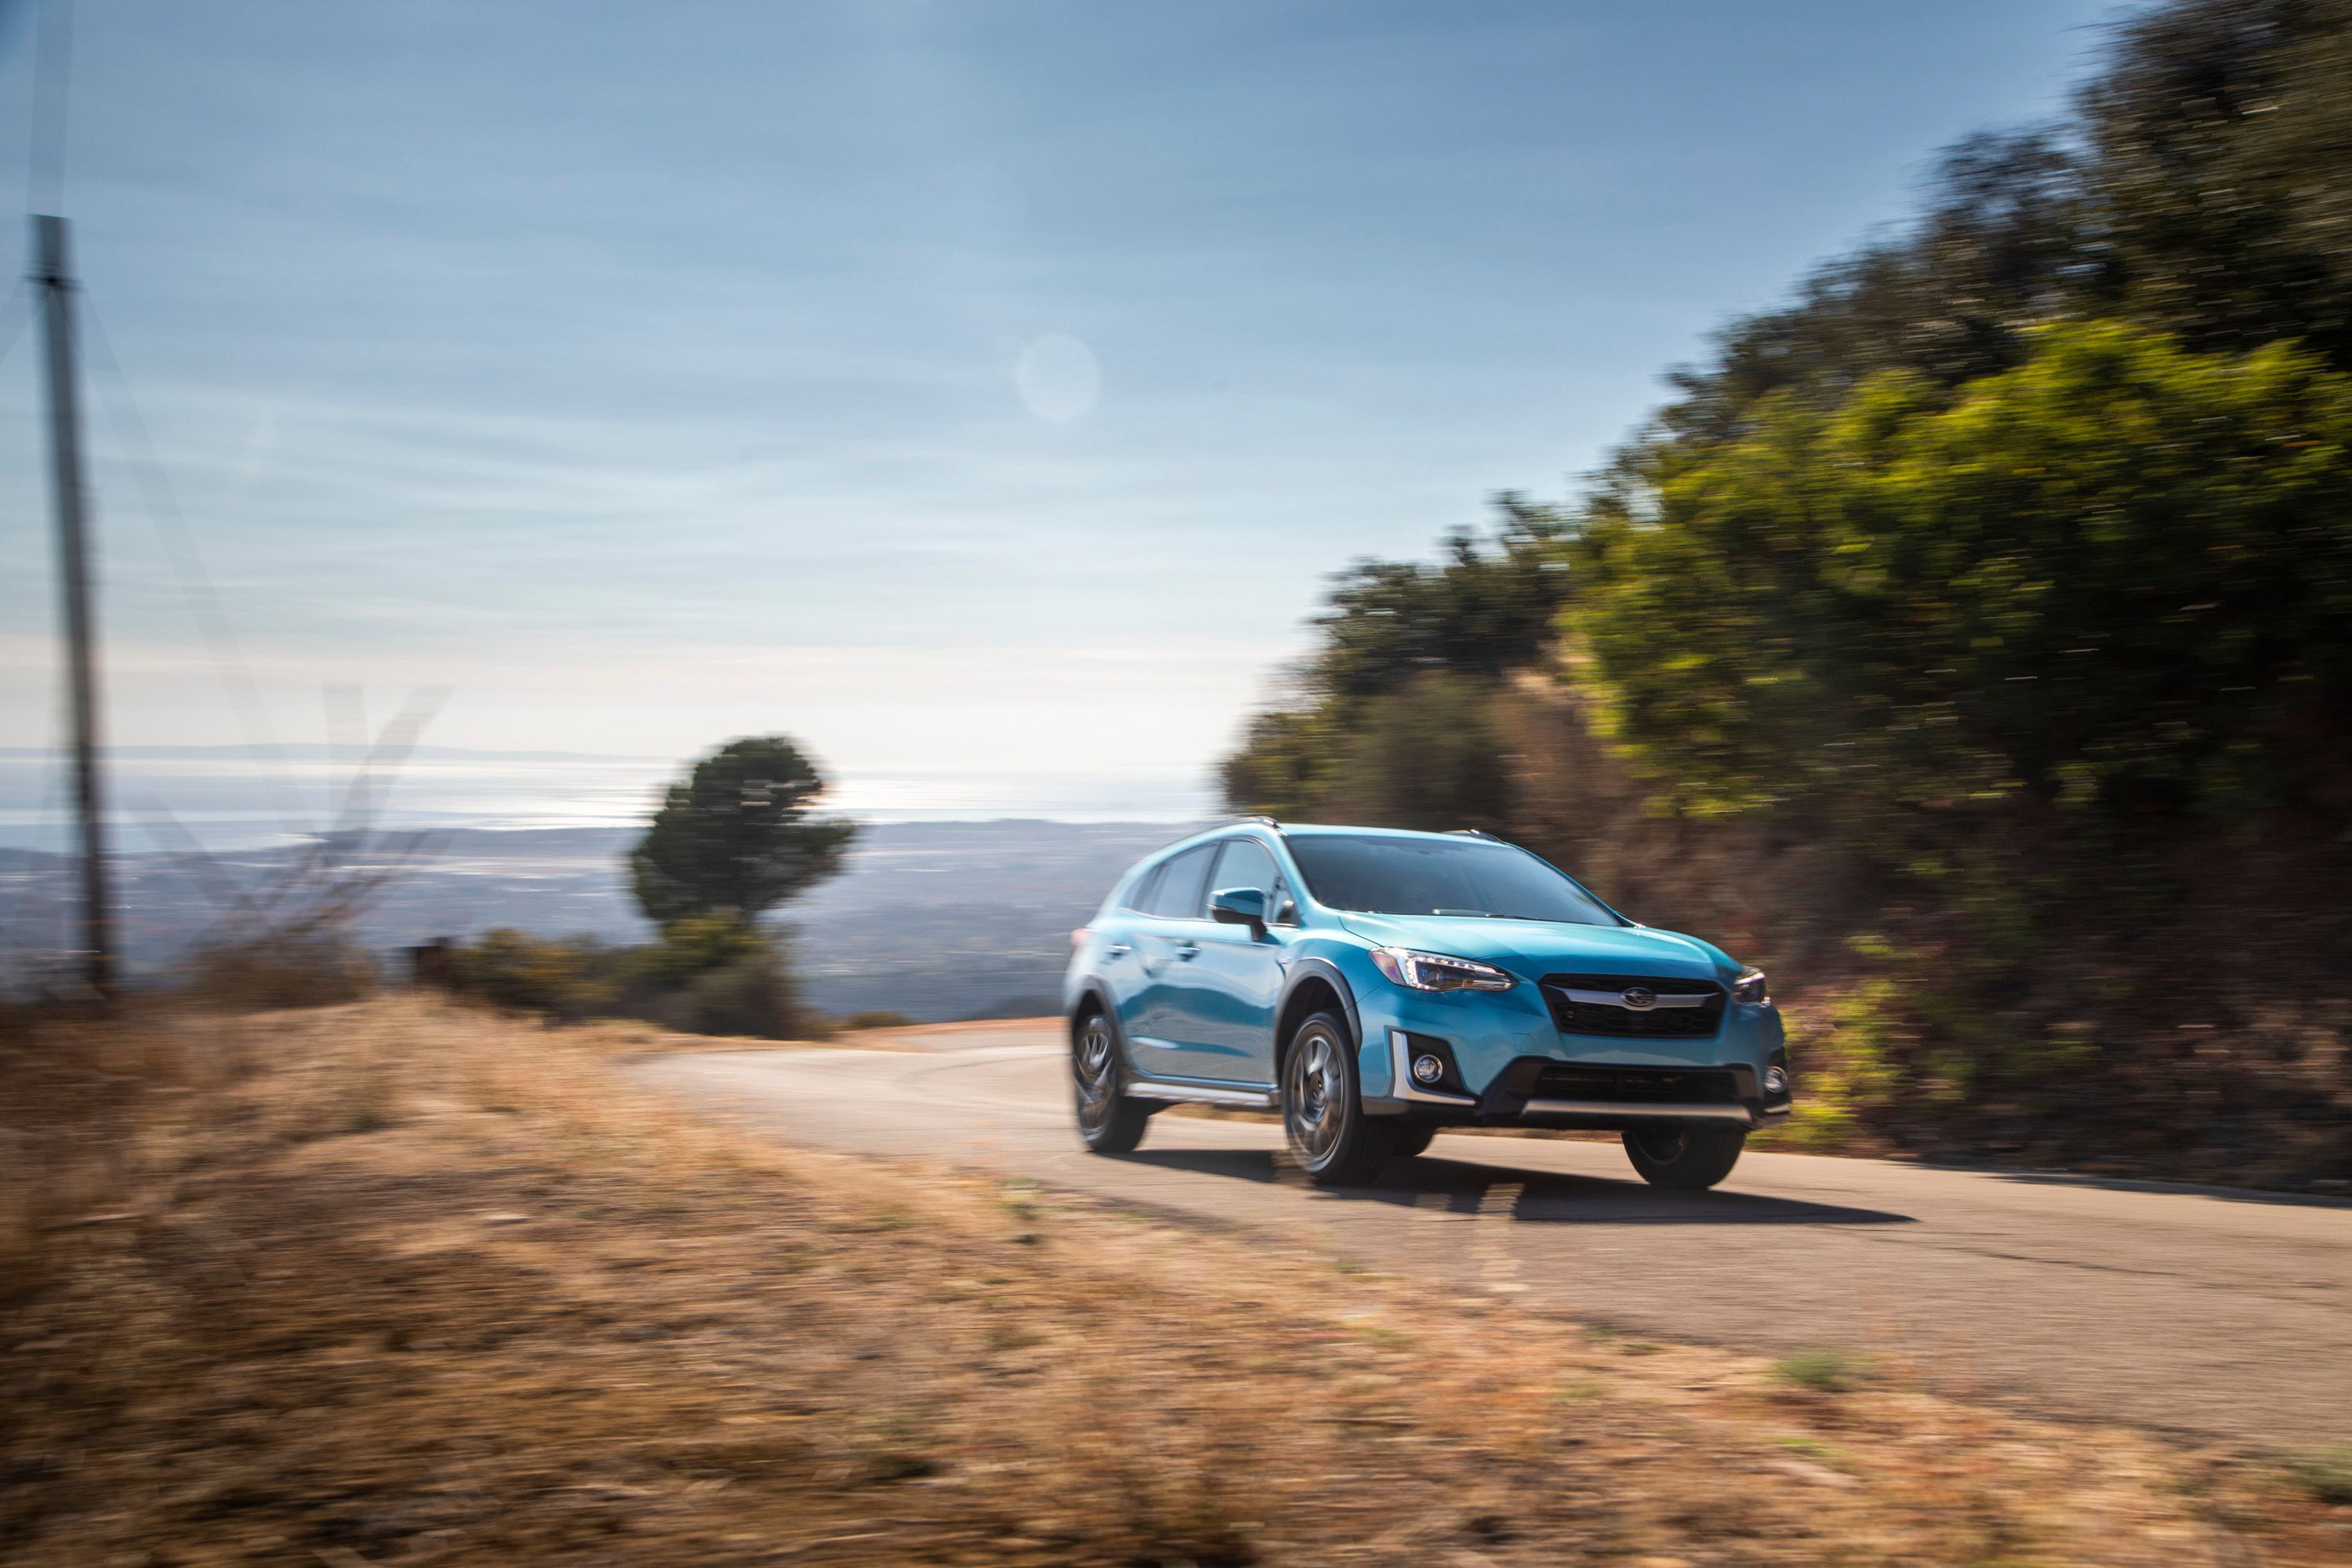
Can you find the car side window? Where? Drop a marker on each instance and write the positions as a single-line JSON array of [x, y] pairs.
[[1244, 863], [1183, 888], [1139, 898]]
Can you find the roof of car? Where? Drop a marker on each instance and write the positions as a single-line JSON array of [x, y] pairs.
[[1328, 830], [1312, 830], [1308, 830]]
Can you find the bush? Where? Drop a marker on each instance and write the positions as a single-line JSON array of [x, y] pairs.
[[313, 971], [708, 974], [2118, 577], [2326, 1476], [1824, 1372], [570, 979], [752, 994]]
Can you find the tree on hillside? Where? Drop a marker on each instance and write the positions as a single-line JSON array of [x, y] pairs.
[[2201, 187], [1487, 608], [2220, 162], [2119, 576], [1409, 651], [736, 838]]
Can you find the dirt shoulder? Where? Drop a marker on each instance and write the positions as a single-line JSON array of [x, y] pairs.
[[410, 1283]]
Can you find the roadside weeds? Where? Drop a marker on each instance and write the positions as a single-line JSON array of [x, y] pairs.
[[409, 1282]]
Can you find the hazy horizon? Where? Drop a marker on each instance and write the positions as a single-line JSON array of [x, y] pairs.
[[240, 796]]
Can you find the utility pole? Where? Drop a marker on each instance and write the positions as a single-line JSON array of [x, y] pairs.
[[53, 282]]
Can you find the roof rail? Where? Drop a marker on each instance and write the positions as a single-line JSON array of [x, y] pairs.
[[1471, 833]]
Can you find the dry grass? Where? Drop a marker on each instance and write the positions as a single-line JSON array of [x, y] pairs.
[[405, 1283]]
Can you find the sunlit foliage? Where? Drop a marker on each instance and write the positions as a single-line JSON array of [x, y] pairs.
[[2120, 574]]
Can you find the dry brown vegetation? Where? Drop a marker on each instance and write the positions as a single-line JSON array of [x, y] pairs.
[[402, 1282]]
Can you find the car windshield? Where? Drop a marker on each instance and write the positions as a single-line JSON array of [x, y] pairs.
[[1440, 876]]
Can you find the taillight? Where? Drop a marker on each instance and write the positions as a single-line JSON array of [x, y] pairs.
[[1078, 937]]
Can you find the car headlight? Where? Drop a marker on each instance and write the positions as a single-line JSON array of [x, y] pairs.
[[1751, 987], [1436, 972]]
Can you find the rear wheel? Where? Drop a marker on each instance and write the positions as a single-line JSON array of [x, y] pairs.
[[1108, 1121], [1686, 1156], [1323, 1113]]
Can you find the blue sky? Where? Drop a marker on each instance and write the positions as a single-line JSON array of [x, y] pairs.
[[980, 393]]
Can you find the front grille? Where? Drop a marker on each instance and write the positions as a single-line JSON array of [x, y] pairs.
[[1637, 1086], [1608, 1018]]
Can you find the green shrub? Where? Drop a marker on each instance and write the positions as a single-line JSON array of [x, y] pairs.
[[1824, 1372], [2118, 577], [708, 974], [698, 943], [752, 996], [2326, 1476], [569, 979]]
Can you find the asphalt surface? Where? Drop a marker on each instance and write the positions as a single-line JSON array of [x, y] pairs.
[[2201, 1310]]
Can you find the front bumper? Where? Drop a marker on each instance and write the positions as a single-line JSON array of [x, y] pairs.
[[1602, 1093]]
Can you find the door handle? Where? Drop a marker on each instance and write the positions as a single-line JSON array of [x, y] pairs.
[[1118, 950], [1188, 950]]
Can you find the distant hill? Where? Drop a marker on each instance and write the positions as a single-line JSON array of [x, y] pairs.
[[936, 920]]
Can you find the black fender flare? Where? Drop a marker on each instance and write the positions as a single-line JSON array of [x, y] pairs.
[[1094, 999], [1304, 971]]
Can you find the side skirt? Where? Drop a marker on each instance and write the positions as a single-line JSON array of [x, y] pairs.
[[1238, 1096]]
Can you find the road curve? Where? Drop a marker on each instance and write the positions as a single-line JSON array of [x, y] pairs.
[[2194, 1309]]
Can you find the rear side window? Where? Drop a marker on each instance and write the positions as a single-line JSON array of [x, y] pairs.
[[1139, 898], [1183, 889]]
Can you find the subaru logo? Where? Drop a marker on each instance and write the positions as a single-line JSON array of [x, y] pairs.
[[1640, 998]]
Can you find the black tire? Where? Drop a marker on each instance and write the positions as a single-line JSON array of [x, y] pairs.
[[1108, 1123], [1323, 1111], [1410, 1139], [1687, 1157]]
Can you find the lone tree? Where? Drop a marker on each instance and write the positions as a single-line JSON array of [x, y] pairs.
[[735, 836]]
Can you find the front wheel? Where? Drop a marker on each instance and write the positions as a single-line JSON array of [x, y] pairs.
[[1323, 1113], [1108, 1121], [1683, 1156]]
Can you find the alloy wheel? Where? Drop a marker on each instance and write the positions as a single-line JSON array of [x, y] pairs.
[[1093, 1066], [1314, 1101]]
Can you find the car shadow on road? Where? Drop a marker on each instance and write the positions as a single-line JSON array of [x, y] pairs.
[[1542, 1197]]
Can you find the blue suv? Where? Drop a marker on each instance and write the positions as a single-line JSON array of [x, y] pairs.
[[1376, 986]]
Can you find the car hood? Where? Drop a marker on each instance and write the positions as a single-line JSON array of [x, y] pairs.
[[1535, 948]]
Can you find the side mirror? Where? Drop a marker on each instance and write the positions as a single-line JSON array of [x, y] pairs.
[[1240, 907]]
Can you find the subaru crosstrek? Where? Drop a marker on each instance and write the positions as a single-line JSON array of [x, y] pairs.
[[1374, 986]]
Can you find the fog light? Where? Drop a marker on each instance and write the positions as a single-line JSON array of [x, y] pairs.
[[1427, 1068], [1776, 1082]]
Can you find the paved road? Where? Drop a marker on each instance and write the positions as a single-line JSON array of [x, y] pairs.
[[2195, 1310]]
